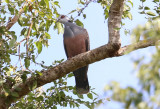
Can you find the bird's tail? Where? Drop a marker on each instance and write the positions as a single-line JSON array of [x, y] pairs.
[[81, 78]]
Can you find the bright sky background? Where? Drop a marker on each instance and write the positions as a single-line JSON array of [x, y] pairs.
[[111, 69], [118, 69]]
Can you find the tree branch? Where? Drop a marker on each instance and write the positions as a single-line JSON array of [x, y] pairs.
[[114, 21], [16, 17], [105, 51]]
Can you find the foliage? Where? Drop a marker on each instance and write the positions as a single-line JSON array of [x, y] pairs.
[[146, 94], [27, 44], [55, 96], [34, 23]]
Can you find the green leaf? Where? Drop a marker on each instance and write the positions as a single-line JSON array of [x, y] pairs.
[[90, 96], [131, 3], [41, 26], [151, 13], [18, 89], [143, 0], [11, 9], [54, 107], [23, 31], [34, 85], [39, 46], [84, 16], [39, 73], [7, 1], [47, 35], [129, 16], [60, 28], [47, 3], [33, 58], [146, 8], [27, 62], [12, 42], [72, 11], [57, 3], [14, 94], [24, 77], [70, 75], [79, 23], [47, 25]]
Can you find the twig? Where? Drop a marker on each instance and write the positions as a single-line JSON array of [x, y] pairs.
[[16, 17], [27, 38], [82, 9]]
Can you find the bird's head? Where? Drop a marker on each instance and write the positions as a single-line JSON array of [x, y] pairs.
[[63, 19]]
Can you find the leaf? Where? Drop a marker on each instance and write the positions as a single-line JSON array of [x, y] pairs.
[[47, 3], [18, 89], [143, 0], [54, 107], [41, 26], [27, 62], [34, 85], [131, 3], [7, 1], [79, 23], [146, 8], [23, 31], [33, 58], [11, 9], [47, 25], [90, 96], [72, 11], [47, 35], [84, 16], [14, 94], [24, 77], [57, 3], [12, 42], [39, 46], [60, 28], [129, 16], [70, 75], [151, 13], [39, 73]]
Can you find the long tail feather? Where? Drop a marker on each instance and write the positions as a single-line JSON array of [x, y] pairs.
[[81, 78]]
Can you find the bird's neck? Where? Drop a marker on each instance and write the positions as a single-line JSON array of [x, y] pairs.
[[68, 23]]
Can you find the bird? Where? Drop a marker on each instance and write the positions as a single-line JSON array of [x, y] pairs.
[[76, 41]]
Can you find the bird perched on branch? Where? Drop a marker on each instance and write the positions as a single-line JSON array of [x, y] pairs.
[[76, 41]]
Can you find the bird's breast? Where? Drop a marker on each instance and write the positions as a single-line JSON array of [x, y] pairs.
[[75, 45]]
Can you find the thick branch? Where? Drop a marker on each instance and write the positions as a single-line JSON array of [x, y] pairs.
[[114, 21], [106, 51], [74, 63]]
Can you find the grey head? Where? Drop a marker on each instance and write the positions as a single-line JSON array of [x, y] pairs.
[[71, 29]]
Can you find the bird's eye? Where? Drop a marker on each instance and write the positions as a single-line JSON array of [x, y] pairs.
[[63, 16]]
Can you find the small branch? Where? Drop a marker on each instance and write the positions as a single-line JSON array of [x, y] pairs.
[[28, 35], [82, 9], [19, 53], [138, 45], [86, 5], [16, 17]]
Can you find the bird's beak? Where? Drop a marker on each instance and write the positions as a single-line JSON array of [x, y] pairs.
[[57, 21]]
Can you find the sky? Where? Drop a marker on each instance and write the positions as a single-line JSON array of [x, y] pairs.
[[101, 73]]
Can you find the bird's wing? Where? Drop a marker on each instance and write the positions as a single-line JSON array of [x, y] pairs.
[[87, 42], [65, 50]]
